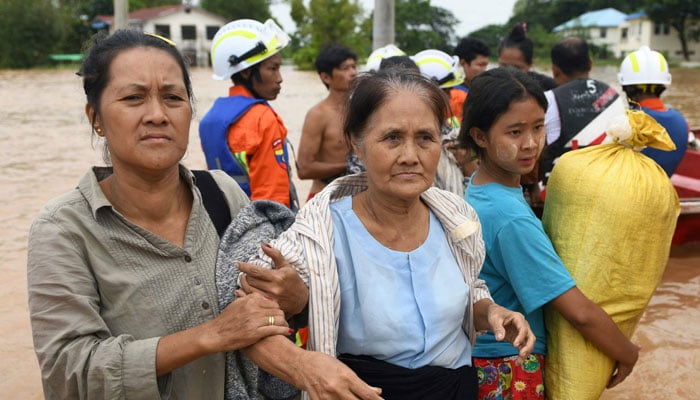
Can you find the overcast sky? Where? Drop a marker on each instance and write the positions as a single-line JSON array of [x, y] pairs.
[[473, 14]]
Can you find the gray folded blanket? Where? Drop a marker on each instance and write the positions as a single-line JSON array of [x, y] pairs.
[[259, 222]]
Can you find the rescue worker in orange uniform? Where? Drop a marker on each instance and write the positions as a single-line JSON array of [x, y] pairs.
[[241, 134]]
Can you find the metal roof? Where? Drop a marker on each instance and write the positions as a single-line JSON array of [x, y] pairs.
[[608, 17]]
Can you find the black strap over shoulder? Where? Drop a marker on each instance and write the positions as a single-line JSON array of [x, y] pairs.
[[214, 200]]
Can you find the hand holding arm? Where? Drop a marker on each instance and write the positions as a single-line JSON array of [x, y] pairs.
[[505, 324], [245, 321], [322, 376], [282, 283]]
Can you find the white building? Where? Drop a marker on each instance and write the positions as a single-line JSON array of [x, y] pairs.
[[601, 28], [191, 28], [639, 30], [621, 33]]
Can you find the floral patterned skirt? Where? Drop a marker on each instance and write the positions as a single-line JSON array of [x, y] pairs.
[[502, 379]]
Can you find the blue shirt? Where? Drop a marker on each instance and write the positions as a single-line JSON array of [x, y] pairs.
[[405, 308], [461, 87], [521, 269], [677, 129]]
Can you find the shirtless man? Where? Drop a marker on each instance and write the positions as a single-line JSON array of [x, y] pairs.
[[322, 148]]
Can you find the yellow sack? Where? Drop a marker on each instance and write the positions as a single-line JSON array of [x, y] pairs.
[[610, 212]]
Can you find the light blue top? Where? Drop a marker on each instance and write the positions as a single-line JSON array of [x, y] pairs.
[[405, 308], [521, 269]]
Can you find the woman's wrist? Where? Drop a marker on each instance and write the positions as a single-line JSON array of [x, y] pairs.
[[177, 349], [482, 310], [203, 339]]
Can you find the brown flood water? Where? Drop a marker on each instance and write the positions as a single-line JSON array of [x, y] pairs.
[[45, 148]]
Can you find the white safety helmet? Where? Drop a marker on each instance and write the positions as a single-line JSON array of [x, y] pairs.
[[375, 59], [644, 66], [243, 43], [440, 67]]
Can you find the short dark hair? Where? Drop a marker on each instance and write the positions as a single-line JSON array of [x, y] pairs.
[[331, 56], [398, 62], [238, 79], [571, 55], [632, 91], [103, 48], [490, 95], [518, 39], [469, 48], [371, 90]]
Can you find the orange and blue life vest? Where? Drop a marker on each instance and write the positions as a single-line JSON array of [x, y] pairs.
[[213, 134]]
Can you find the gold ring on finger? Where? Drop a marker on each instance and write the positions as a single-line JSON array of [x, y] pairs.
[[271, 320]]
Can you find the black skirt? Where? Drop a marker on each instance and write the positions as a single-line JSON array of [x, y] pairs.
[[425, 383]]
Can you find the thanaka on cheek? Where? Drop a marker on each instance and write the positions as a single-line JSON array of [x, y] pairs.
[[508, 152]]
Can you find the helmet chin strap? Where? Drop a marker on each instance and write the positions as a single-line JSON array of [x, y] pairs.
[[259, 48]]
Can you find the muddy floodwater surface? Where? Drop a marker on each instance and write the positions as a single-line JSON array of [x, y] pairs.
[[45, 147]]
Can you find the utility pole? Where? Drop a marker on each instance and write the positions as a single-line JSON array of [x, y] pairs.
[[383, 23], [121, 14]]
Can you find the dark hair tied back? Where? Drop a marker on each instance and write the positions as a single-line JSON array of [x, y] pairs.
[[518, 39]]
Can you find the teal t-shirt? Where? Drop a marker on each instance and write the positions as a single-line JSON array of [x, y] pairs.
[[521, 269]]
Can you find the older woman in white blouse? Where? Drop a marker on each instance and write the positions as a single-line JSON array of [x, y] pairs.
[[392, 262]]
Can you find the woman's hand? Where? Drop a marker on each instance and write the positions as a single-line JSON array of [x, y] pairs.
[[325, 377], [505, 325], [281, 283], [245, 321]]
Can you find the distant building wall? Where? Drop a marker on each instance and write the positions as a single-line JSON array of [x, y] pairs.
[[636, 32], [191, 30]]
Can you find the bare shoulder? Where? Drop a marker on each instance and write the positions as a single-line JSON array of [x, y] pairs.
[[324, 110], [316, 111], [321, 117]]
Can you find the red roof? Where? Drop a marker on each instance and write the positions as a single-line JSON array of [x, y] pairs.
[[144, 13], [150, 13]]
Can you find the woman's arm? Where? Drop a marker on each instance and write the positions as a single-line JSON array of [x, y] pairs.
[[322, 376], [505, 324], [80, 356], [596, 326], [245, 321]]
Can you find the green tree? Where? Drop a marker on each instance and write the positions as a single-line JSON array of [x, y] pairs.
[[74, 22], [237, 9], [678, 14], [28, 31], [139, 4], [325, 22], [542, 39], [74, 17], [420, 25], [550, 13], [492, 35]]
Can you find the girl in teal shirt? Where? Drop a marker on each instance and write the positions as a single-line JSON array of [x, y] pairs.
[[504, 123]]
